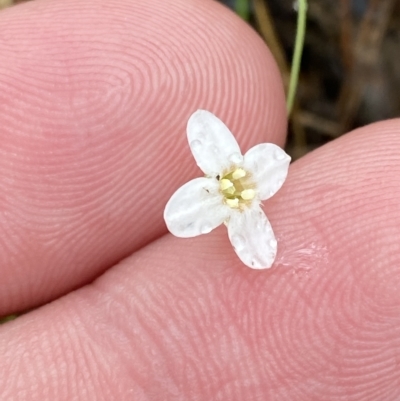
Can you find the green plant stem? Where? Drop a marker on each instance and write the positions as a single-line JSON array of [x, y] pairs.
[[242, 8], [298, 50], [7, 318]]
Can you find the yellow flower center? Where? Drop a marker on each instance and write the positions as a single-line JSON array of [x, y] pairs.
[[237, 189]]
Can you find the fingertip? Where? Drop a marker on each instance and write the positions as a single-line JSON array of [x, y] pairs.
[[95, 98]]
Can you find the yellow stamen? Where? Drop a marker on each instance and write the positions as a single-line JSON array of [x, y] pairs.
[[233, 203], [225, 184], [230, 191], [236, 188], [238, 173], [248, 194]]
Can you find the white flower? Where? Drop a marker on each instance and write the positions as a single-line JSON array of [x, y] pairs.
[[231, 192]]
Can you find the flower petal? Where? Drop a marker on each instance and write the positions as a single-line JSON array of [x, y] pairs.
[[269, 166], [213, 145], [252, 238], [195, 208]]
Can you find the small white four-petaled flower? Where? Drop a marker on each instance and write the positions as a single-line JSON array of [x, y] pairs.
[[231, 192]]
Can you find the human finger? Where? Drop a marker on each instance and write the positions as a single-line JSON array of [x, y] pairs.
[[184, 319], [94, 108]]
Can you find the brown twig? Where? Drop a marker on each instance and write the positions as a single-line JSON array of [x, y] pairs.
[[366, 50], [266, 27], [346, 37]]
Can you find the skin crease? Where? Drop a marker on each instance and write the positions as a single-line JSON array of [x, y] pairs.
[[95, 98]]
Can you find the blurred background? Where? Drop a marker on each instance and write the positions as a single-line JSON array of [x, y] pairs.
[[349, 73]]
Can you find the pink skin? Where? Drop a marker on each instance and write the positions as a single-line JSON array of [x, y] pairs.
[[94, 98]]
